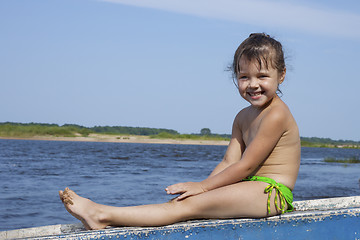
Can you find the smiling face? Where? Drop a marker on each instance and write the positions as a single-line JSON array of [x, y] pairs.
[[258, 84]]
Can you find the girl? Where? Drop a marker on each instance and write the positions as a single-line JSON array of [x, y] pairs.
[[258, 171]]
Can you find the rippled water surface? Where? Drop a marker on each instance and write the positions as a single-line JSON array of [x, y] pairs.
[[123, 174]]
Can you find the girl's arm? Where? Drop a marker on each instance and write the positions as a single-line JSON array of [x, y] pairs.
[[235, 149], [267, 136], [270, 130]]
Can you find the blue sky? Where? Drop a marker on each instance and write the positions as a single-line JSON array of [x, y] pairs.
[[163, 64]]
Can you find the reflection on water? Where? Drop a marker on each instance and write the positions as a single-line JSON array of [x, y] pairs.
[[123, 174]]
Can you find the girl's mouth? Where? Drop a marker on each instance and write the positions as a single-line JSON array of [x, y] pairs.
[[256, 94]]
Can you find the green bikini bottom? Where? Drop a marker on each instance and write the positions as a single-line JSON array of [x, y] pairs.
[[281, 190]]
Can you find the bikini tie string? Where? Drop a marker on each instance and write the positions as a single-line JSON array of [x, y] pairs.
[[268, 190]]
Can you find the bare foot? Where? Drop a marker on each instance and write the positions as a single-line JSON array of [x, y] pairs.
[[87, 211]]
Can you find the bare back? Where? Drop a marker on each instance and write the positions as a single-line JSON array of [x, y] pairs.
[[282, 164]]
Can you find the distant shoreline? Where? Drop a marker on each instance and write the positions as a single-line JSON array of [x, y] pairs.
[[74, 132], [122, 139], [96, 137]]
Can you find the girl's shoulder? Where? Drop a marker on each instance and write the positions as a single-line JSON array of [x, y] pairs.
[[279, 113], [244, 112], [242, 116]]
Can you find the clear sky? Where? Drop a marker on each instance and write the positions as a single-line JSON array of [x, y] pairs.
[[162, 64]]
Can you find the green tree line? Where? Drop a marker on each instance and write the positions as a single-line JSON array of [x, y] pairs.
[[131, 130], [11, 129], [328, 142]]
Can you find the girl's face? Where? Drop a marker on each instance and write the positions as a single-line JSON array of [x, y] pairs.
[[258, 86]]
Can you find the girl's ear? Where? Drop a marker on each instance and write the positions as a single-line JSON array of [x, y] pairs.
[[282, 76]]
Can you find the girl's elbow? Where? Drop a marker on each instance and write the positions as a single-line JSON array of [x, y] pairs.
[[247, 170]]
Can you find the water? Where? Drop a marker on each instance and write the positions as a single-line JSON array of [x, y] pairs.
[[123, 174]]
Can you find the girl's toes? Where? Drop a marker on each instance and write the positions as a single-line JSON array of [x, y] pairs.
[[61, 196]]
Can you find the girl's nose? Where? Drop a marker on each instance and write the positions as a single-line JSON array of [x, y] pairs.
[[253, 83]]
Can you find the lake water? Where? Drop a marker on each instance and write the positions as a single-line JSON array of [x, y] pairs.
[[123, 174]]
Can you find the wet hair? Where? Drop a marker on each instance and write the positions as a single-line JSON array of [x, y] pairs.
[[262, 48]]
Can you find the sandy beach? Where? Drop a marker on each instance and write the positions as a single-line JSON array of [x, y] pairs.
[[124, 139]]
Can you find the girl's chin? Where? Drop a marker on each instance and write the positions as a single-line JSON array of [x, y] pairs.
[[259, 103]]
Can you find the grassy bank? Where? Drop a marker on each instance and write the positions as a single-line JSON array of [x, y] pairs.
[[31, 130], [350, 160], [333, 144], [212, 137], [18, 130]]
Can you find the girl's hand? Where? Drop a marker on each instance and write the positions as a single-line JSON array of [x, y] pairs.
[[187, 189]]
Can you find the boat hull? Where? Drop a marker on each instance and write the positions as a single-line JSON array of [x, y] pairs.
[[337, 218]]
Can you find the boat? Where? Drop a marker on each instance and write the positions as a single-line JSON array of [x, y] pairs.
[[329, 218]]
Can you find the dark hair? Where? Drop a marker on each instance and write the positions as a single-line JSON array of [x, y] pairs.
[[262, 48]]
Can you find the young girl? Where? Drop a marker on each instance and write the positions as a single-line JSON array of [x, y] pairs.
[[258, 171]]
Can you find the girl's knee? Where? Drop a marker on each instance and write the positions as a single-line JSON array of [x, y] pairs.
[[186, 209]]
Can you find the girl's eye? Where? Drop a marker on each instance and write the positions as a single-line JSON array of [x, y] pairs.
[[242, 77], [263, 76]]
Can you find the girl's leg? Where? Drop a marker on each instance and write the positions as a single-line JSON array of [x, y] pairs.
[[244, 199]]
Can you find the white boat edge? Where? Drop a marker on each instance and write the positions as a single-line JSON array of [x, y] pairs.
[[307, 208]]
